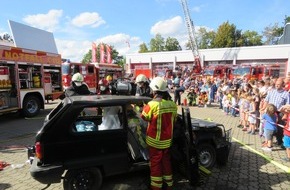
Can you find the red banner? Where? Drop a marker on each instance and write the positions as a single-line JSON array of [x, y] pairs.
[[102, 54], [109, 54], [94, 56]]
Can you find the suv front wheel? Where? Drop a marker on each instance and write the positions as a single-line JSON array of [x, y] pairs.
[[88, 178], [207, 155]]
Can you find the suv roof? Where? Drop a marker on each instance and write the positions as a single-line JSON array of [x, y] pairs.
[[107, 99]]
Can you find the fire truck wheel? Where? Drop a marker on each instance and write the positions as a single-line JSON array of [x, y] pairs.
[[31, 106], [88, 178]]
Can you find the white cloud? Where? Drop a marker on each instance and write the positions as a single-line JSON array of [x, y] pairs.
[[47, 21], [72, 49], [84, 19], [167, 27], [123, 43], [75, 50]]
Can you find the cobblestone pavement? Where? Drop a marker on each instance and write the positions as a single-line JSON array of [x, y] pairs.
[[249, 167]]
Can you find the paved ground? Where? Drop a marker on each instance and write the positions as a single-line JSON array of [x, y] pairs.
[[248, 168]]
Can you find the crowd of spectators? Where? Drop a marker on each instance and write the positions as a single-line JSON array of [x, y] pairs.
[[257, 103]]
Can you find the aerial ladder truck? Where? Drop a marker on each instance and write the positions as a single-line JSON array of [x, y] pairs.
[[197, 69]]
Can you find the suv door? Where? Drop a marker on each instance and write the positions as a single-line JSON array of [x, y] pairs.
[[80, 142], [190, 148]]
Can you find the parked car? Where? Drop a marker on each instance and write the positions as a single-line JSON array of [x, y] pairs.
[[84, 137]]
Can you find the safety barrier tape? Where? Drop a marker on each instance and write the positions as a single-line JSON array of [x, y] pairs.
[[281, 166]]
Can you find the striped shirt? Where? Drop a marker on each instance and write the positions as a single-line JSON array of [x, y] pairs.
[[278, 98]]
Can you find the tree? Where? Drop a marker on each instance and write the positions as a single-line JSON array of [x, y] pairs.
[[172, 44], [226, 36], [87, 57], [157, 44], [204, 39], [272, 34], [251, 38], [143, 48]]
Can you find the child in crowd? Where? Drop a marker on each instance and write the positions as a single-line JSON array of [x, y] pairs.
[[286, 139], [202, 99], [270, 120], [245, 107], [191, 97], [225, 103], [234, 103], [261, 106], [241, 97], [257, 100], [252, 116]]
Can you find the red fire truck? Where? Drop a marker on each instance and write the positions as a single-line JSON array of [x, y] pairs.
[[254, 72], [92, 73], [27, 79], [217, 71]]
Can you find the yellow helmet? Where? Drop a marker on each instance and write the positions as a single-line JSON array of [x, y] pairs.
[[109, 78]]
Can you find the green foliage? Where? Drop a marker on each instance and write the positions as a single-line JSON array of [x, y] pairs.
[[225, 36], [251, 38], [157, 44], [143, 48], [172, 44], [204, 39]]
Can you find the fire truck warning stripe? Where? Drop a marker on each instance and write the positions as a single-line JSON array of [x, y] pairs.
[[281, 166]]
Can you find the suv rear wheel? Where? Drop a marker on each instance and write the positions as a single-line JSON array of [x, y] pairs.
[[207, 155], [89, 178]]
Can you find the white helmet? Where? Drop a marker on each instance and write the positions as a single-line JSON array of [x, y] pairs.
[[141, 78], [78, 79], [158, 84]]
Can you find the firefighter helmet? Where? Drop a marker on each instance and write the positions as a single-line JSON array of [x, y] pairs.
[[141, 78], [158, 84], [109, 78], [78, 78]]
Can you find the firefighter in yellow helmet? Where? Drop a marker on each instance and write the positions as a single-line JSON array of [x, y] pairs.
[[160, 114]]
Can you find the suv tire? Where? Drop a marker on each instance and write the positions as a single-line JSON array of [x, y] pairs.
[[207, 155], [89, 178]]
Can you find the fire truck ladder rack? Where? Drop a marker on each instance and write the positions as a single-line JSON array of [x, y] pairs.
[[191, 33]]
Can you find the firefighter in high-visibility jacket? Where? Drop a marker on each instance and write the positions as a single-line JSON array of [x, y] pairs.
[[160, 114]]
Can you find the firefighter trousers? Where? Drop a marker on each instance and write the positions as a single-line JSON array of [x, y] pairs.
[[160, 168]]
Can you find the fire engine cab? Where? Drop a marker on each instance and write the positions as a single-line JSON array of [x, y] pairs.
[[92, 72], [27, 79], [217, 71], [256, 72]]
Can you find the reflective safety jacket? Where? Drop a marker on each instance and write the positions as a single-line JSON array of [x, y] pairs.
[[161, 116]]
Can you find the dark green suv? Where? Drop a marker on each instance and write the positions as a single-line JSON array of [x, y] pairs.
[[86, 138]]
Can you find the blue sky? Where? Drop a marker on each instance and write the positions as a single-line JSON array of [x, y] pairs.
[[76, 24]]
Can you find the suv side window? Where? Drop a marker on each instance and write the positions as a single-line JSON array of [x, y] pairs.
[[98, 118]]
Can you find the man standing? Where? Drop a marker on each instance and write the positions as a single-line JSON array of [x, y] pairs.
[[160, 114], [278, 97]]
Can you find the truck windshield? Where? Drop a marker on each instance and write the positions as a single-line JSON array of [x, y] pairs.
[[208, 72], [241, 71], [65, 69]]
